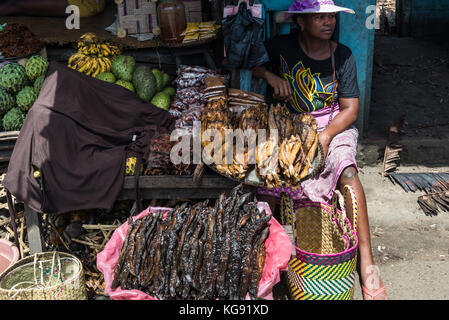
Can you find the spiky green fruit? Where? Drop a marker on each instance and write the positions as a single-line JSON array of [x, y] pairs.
[[145, 83], [25, 98], [126, 84], [13, 77], [161, 100], [159, 81], [13, 120], [123, 67], [170, 91], [7, 101], [36, 66], [165, 80], [107, 76], [38, 84]]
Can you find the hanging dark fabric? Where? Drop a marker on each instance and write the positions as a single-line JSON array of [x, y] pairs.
[[243, 40], [77, 134]]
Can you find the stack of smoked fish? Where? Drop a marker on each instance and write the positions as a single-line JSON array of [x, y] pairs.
[[196, 252]]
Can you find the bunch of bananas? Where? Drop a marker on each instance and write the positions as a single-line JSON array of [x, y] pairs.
[[93, 57]]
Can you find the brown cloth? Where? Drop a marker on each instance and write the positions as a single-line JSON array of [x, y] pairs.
[[77, 134]]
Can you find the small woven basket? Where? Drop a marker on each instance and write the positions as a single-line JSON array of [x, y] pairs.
[[326, 250], [44, 276]]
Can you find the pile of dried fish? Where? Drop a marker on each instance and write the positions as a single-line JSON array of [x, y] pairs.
[[196, 252], [298, 143]]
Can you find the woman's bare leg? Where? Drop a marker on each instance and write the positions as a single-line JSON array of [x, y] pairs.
[[369, 272]]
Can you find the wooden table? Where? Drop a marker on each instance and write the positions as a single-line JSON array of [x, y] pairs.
[[151, 187]]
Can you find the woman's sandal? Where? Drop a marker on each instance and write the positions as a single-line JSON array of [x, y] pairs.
[[372, 294]]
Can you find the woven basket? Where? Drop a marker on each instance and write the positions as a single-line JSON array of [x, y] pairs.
[[326, 250], [44, 276]]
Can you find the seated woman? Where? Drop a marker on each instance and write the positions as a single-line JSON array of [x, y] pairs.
[[312, 73]]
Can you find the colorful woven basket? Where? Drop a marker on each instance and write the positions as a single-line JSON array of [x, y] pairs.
[[326, 250]]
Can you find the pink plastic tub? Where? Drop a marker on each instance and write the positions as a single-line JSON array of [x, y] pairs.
[[9, 254]]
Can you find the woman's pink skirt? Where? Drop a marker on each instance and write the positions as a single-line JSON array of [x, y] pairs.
[[342, 154]]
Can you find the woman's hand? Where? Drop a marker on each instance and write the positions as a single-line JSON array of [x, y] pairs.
[[282, 90], [325, 141]]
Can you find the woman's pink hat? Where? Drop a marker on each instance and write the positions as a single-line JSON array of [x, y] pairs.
[[310, 6]]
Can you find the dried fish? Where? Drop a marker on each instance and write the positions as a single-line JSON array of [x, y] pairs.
[[197, 252]]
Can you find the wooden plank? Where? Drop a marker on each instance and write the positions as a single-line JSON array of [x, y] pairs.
[[174, 193], [34, 228], [5, 155], [181, 182], [9, 135]]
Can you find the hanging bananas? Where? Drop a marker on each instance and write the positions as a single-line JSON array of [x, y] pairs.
[[93, 57]]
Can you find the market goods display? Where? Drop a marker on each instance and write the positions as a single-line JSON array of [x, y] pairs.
[[7, 101], [196, 31], [35, 67], [215, 88], [93, 57], [25, 98], [13, 120], [107, 76], [126, 84], [196, 251], [144, 82], [153, 86], [19, 88], [190, 99], [13, 77], [288, 154], [16, 40], [123, 67]]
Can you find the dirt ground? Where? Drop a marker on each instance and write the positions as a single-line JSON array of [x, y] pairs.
[[411, 78]]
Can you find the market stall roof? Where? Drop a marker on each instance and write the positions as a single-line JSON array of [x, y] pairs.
[[53, 31]]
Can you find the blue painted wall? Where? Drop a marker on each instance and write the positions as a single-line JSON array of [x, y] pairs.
[[354, 34], [429, 17]]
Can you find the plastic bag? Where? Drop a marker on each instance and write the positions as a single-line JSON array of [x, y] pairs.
[[278, 252]]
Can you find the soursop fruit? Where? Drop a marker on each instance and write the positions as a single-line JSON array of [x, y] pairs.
[[13, 120], [161, 100], [25, 98], [165, 80], [159, 81], [35, 67], [126, 84], [107, 76], [38, 84], [7, 101], [170, 91], [13, 77], [123, 67], [145, 83]]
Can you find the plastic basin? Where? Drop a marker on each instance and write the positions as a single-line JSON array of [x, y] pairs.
[[9, 254]]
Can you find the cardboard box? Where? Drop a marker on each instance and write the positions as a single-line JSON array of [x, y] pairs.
[[193, 10]]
